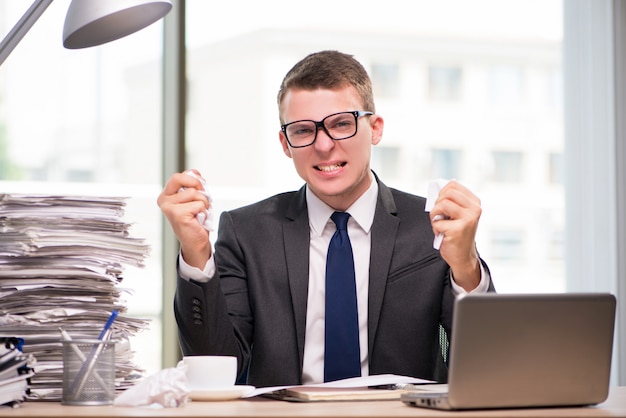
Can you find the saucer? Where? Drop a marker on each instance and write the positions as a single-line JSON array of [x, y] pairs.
[[220, 393]]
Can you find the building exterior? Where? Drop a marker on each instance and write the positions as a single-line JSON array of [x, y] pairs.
[[487, 112]]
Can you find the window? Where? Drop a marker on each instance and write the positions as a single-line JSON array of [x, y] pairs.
[[556, 249], [446, 163], [506, 85], [88, 122], [385, 80], [555, 169], [554, 89], [386, 161], [99, 120], [508, 166], [507, 245], [444, 83]]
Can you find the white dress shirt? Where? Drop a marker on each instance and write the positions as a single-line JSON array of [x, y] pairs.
[[322, 230]]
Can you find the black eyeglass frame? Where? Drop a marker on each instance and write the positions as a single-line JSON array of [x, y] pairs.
[[320, 124]]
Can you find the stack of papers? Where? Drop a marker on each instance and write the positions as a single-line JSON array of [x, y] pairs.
[[366, 388], [61, 266], [15, 370]]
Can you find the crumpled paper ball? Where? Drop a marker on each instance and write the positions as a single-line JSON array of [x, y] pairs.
[[167, 388], [434, 187]]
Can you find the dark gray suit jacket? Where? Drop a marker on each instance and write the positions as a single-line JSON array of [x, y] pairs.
[[255, 306]]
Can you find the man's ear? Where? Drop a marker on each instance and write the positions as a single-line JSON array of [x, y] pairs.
[[377, 124], [284, 144]]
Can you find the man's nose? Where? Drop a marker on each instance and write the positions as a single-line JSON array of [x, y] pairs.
[[323, 141]]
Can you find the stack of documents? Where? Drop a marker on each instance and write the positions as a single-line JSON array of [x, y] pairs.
[[15, 370], [365, 388], [61, 264]]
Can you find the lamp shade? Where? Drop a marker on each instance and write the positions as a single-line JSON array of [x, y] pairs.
[[94, 22]]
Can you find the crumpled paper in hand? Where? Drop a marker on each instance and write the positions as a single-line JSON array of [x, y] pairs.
[[434, 188], [166, 388], [206, 217]]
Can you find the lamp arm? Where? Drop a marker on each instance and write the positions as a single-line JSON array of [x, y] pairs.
[[22, 27]]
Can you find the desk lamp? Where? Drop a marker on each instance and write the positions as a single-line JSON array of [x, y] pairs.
[[91, 22]]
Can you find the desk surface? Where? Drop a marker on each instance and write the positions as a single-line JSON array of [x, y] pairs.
[[615, 406]]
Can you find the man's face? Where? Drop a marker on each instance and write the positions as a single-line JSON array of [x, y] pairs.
[[336, 171]]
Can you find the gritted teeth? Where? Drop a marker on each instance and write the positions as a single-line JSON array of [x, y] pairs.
[[329, 168]]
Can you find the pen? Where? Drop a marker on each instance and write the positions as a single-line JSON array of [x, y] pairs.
[[87, 367], [393, 386], [108, 325]]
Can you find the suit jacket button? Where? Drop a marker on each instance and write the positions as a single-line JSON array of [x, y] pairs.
[[197, 322], [196, 301]]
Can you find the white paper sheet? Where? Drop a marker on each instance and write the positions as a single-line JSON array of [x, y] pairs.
[[353, 382]]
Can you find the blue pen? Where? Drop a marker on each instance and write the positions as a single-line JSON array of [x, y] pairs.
[[108, 325]]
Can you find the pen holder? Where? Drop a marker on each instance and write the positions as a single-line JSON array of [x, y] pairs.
[[88, 372]]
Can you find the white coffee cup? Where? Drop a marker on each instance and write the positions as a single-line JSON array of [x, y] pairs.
[[207, 372]]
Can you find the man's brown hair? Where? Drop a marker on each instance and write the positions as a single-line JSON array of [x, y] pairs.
[[329, 70]]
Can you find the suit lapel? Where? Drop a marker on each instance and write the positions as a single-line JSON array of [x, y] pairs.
[[384, 231], [296, 233]]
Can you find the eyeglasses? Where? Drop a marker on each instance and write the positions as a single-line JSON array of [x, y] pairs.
[[338, 126]]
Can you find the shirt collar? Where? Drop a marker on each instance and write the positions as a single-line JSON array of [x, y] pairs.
[[362, 211]]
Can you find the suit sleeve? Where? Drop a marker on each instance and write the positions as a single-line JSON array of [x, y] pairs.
[[205, 315]]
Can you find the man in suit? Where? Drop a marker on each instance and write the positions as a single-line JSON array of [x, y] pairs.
[[260, 294]]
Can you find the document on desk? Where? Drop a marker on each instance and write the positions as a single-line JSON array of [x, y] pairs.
[[375, 387]]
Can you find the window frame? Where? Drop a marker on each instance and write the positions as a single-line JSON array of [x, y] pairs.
[[595, 187]]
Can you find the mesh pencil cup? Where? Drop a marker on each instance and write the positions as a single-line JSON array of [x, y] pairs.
[[88, 372]]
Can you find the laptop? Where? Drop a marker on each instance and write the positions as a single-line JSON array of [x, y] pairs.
[[526, 350]]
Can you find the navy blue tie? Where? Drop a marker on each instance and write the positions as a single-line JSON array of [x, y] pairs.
[[342, 357]]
